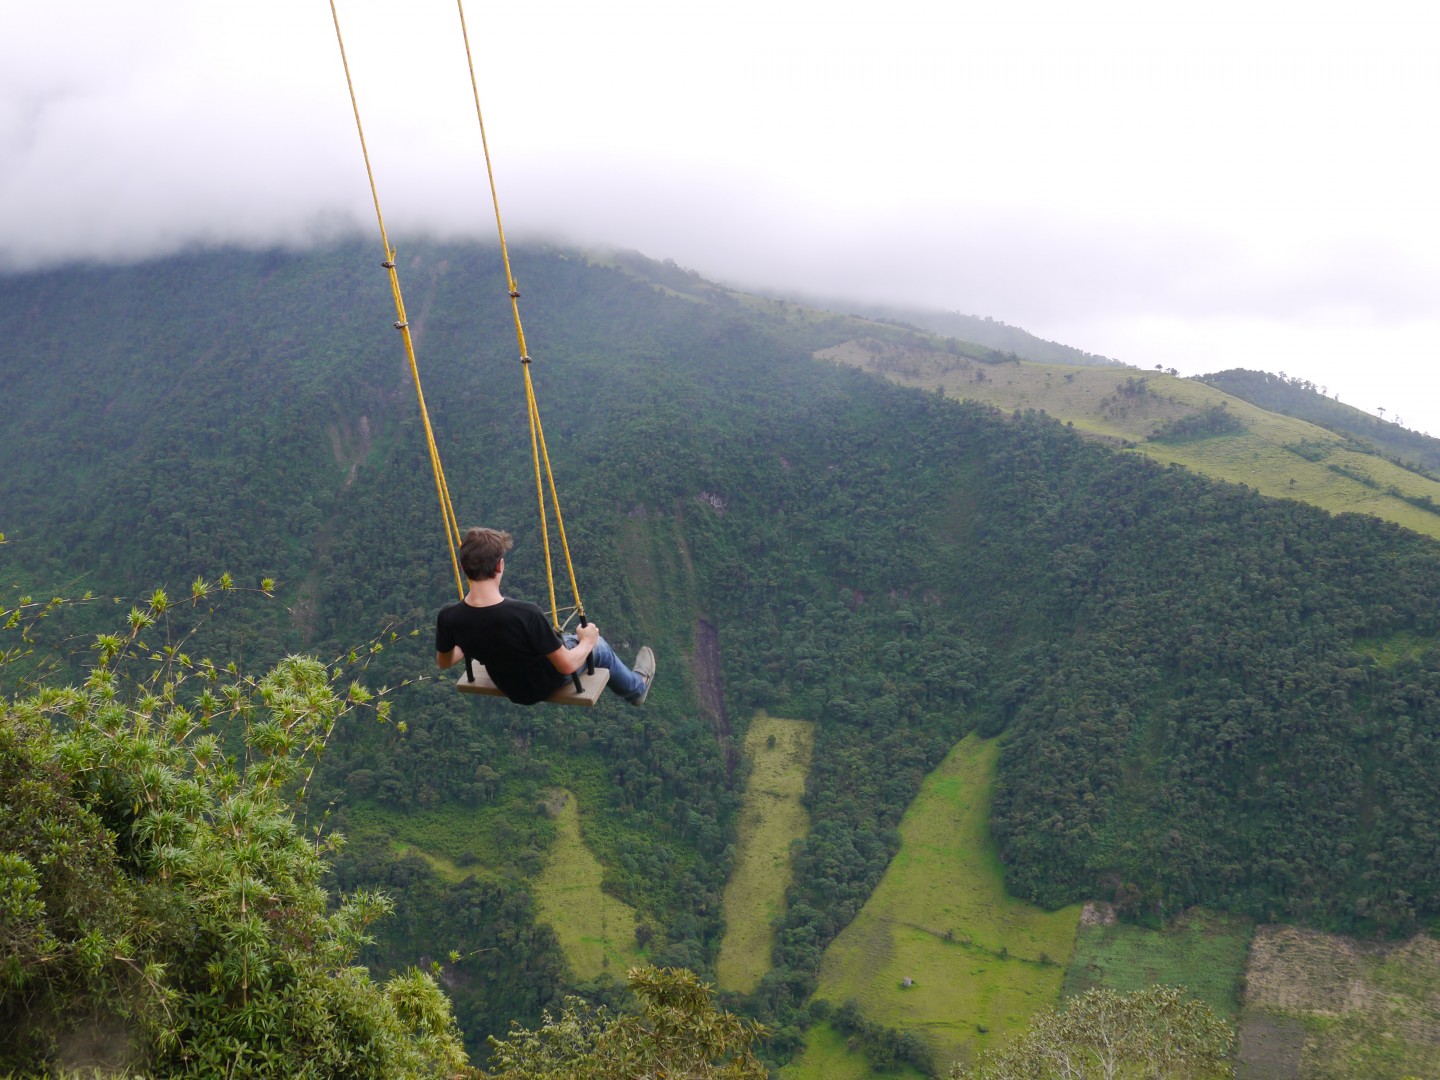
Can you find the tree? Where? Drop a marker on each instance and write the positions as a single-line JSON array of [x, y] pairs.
[[1151, 1033], [155, 886], [677, 1034]]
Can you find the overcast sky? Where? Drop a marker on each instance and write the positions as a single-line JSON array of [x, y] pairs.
[[1203, 186]]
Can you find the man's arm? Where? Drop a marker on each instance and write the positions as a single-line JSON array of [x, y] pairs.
[[569, 660], [451, 658]]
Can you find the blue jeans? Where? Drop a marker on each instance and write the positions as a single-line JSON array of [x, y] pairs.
[[622, 680]]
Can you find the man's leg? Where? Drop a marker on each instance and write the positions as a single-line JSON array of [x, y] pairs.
[[622, 680]]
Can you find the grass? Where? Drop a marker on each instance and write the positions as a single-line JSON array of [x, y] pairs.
[[1397, 647], [609, 833], [827, 1057], [771, 819], [1092, 399], [1203, 951], [443, 868], [596, 930], [654, 558], [1359, 1009], [982, 962], [657, 566], [455, 840]]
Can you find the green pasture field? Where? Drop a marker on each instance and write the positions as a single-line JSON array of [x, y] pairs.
[[1202, 951], [981, 962], [607, 832], [455, 840], [1092, 399], [1397, 647], [771, 819], [826, 1057], [596, 930], [445, 869]]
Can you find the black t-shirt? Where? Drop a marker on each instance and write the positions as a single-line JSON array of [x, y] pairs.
[[513, 639]]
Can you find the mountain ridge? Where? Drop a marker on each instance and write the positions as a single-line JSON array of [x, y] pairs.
[[1180, 421]]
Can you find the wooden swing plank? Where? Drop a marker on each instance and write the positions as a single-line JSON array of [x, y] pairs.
[[591, 687]]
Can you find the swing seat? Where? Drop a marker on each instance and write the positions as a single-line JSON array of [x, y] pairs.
[[591, 686]]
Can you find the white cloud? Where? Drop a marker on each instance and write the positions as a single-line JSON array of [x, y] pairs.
[[1132, 178]]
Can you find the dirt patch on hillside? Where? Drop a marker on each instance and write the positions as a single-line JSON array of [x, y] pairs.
[[710, 685], [1097, 913], [305, 612], [1357, 1002], [1271, 1048], [350, 444], [554, 802], [1305, 970]]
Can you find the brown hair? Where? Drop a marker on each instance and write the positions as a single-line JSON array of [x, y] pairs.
[[481, 551]]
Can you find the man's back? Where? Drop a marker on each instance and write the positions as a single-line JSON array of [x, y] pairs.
[[512, 639]]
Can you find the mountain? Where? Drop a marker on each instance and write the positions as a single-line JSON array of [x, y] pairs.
[[1202, 695]]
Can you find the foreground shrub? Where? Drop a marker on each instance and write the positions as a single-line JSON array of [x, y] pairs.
[[160, 908], [1156, 1032]]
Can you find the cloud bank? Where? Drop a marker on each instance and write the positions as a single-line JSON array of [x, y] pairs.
[[1243, 185]]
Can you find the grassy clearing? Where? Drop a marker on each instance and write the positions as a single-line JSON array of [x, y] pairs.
[[455, 840], [596, 931], [771, 819], [827, 1057], [657, 566], [1357, 1010], [1202, 950], [445, 869], [609, 833], [1094, 400], [653, 556], [982, 962], [1397, 647]]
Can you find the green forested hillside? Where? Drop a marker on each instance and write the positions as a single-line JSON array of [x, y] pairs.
[[1204, 695]]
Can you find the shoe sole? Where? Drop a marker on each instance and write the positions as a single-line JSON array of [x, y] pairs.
[[649, 678]]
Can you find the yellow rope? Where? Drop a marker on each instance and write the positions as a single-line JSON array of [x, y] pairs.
[[447, 509], [538, 451]]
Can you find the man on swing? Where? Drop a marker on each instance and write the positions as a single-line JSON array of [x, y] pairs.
[[521, 651]]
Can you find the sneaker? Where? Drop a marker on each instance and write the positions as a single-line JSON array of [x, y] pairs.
[[644, 666]]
